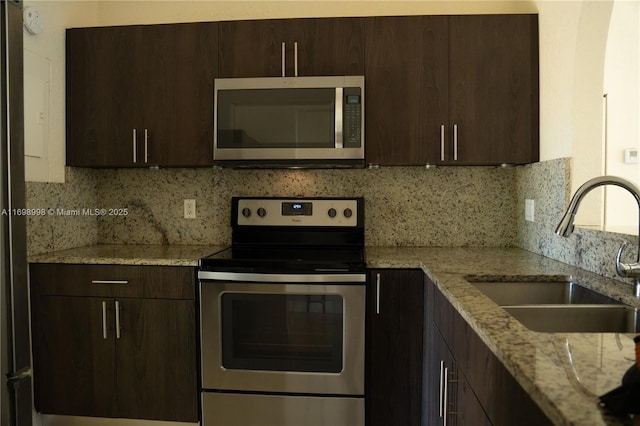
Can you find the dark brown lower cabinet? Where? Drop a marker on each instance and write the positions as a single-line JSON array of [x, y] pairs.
[[395, 314], [74, 365], [479, 389], [455, 401], [115, 341]]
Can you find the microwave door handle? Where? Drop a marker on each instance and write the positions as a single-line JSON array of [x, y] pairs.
[[338, 120]]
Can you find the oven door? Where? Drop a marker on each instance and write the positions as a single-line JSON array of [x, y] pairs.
[[283, 337]]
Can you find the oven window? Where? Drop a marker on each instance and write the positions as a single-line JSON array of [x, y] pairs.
[[282, 332], [276, 118]]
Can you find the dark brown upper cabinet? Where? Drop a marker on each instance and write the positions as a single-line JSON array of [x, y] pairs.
[[493, 90], [140, 96], [406, 80], [458, 90], [290, 47]]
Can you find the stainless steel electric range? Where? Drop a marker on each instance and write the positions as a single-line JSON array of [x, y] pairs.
[[282, 315]]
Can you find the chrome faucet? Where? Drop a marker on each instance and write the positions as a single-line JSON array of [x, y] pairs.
[[565, 227]]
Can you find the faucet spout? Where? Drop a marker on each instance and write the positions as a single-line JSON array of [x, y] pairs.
[[566, 225]]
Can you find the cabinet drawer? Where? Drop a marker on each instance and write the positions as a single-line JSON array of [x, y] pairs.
[[501, 396], [166, 282]]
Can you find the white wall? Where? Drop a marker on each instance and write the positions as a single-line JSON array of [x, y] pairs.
[[45, 63], [560, 26], [622, 86]]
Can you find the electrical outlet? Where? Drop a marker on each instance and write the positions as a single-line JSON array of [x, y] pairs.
[[189, 209], [529, 210]]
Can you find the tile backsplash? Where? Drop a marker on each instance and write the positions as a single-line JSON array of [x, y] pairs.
[[405, 206]]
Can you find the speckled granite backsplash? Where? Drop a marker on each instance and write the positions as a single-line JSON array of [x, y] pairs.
[[405, 206], [549, 184], [453, 206], [55, 230]]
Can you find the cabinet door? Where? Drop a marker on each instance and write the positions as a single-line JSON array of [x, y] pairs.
[[182, 62], [440, 372], [468, 410], [326, 46], [104, 71], [395, 312], [251, 48], [501, 398], [406, 94], [73, 356], [157, 363], [494, 88]]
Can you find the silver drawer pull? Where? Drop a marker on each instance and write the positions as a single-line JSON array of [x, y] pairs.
[[109, 282]]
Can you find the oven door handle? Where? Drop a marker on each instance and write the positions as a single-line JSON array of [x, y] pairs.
[[282, 278]]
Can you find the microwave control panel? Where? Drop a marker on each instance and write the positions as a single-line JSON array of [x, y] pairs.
[[352, 119]]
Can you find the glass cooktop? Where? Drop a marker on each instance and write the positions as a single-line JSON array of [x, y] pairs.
[[285, 260]]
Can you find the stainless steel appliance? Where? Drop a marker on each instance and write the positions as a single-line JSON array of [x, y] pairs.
[[289, 121], [282, 314], [15, 355]]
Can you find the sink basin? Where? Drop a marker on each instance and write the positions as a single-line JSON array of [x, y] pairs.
[[558, 305], [577, 318], [507, 293]]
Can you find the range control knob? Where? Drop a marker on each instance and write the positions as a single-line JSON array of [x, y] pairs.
[[347, 212], [246, 212], [332, 212], [262, 212]]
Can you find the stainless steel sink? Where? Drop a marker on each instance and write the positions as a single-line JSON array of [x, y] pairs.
[[577, 318], [541, 292], [558, 304]]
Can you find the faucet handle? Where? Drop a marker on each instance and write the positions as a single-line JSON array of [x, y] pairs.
[[626, 269]]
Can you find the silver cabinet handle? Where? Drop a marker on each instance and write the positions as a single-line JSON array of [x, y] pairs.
[[445, 396], [283, 58], [135, 146], [441, 399], [104, 320], [117, 319], [295, 58], [146, 146], [378, 293], [442, 142], [109, 282], [455, 142]]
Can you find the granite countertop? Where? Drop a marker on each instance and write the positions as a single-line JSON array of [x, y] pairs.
[[123, 254], [566, 391]]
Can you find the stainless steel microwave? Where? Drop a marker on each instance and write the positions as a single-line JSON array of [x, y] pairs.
[[289, 122]]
